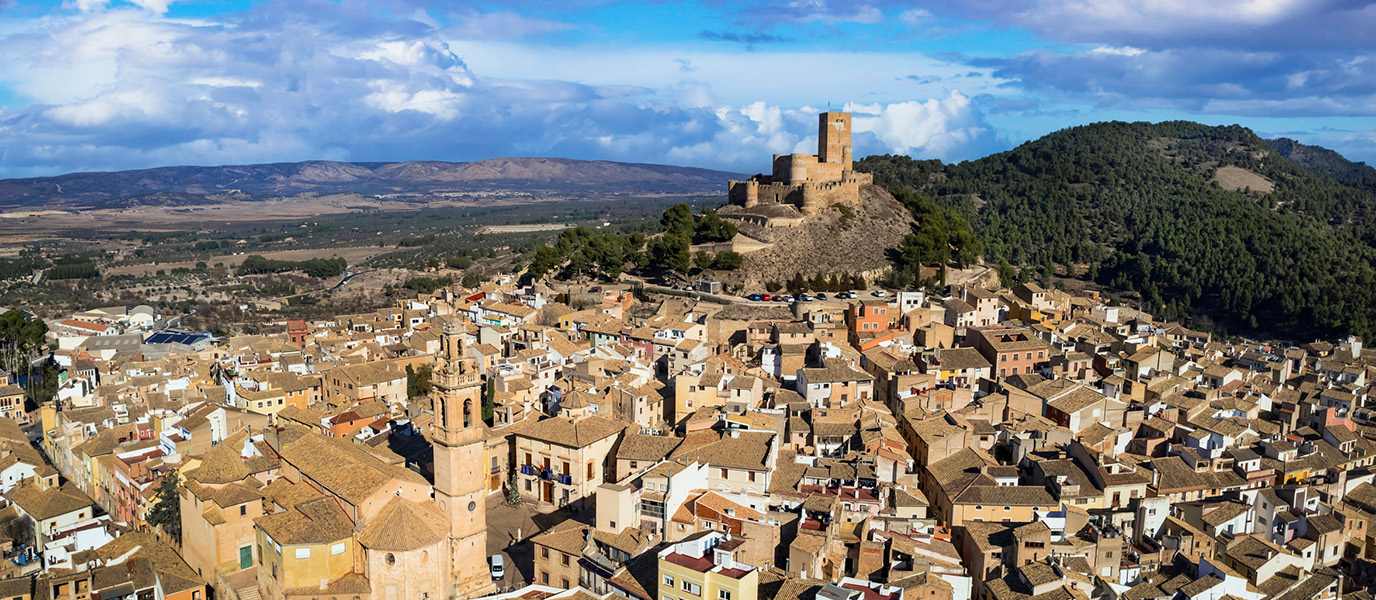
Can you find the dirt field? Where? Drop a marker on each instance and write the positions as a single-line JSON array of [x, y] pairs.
[[354, 255], [524, 228], [1237, 178], [229, 211]]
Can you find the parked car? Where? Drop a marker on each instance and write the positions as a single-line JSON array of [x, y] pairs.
[[765, 297], [880, 293], [498, 567], [807, 298], [754, 297], [821, 296]]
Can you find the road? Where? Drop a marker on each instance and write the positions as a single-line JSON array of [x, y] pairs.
[[504, 522]]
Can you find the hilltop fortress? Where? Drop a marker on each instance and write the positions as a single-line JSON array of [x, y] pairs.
[[802, 185]]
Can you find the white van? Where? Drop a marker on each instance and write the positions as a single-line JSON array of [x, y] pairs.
[[498, 567]]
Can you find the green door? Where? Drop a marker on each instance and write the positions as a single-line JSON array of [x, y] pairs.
[[245, 557]]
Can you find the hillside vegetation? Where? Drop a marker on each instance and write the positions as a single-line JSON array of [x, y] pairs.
[[1135, 206]]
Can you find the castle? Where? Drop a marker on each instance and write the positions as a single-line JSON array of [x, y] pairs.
[[807, 182]]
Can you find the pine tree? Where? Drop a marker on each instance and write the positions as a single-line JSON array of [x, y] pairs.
[[167, 513], [490, 400]]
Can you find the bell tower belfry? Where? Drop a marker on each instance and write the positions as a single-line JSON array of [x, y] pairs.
[[460, 474]]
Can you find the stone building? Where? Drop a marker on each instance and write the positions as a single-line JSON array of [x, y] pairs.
[[806, 183], [460, 471]]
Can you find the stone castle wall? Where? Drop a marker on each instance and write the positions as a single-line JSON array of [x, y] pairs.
[[809, 198]]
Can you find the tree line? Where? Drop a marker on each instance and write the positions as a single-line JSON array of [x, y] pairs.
[[585, 252], [321, 268]]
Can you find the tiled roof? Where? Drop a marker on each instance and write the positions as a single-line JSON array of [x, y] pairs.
[[403, 526], [570, 433], [318, 521]]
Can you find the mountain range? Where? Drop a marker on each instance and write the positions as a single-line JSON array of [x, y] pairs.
[[182, 185]]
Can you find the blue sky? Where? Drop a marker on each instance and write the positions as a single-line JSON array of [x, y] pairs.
[[119, 84]]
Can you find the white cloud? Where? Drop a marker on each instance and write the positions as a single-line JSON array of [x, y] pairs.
[[1251, 24], [224, 82], [127, 88], [916, 17], [737, 78], [1117, 51], [949, 127]]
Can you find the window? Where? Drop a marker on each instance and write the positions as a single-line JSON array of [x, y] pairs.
[[590, 471], [564, 558], [565, 582], [723, 473], [544, 578], [723, 595], [692, 588], [303, 553], [337, 549], [1007, 508], [544, 552], [243, 509], [668, 581]]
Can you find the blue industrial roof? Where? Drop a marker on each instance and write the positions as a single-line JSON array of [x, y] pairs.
[[176, 337]]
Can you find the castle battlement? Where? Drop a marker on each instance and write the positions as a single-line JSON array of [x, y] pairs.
[[806, 181]]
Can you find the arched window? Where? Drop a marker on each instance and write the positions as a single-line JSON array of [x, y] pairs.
[[467, 413]]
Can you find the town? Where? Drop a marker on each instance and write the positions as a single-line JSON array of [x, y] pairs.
[[496, 441], [521, 437]]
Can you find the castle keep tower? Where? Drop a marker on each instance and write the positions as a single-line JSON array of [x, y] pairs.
[[833, 139], [460, 478], [809, 183]]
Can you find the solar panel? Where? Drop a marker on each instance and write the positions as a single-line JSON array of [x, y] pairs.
[[165, 337]]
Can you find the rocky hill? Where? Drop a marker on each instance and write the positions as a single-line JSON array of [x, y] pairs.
[[190, 185], [832, 242]]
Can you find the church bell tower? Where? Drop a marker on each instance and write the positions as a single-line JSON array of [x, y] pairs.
[[460, 471]]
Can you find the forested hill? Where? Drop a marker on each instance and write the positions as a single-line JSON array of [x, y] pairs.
[[1200, 220]]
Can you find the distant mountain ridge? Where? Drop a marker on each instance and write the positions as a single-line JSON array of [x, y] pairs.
[[1327, 162], [185, 184]]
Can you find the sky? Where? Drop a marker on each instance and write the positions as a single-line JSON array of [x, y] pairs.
[[93, 85]]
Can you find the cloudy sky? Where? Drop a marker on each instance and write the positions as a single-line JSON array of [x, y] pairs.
[[115, 84]]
